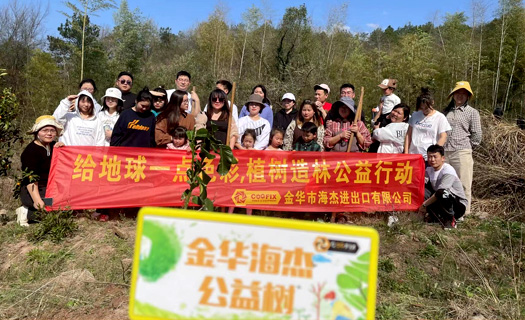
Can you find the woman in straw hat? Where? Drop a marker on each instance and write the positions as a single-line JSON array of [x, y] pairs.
[[36, 159], [465, 135], [255, 121]]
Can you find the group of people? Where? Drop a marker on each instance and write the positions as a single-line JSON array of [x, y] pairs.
[[161, 118]]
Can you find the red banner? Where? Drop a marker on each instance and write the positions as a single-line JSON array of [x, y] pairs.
[[112, 177]]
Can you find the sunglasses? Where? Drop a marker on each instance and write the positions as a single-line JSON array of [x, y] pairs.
[[125, 82], [217, 99]]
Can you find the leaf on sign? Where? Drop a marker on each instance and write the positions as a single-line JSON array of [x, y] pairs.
[[365, 257], [355, 300], [357, 272], [347, 281]]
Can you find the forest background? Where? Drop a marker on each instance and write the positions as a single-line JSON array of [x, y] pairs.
[[473, 273], [289, 55]]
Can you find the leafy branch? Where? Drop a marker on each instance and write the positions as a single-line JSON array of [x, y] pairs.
[[205, 146]]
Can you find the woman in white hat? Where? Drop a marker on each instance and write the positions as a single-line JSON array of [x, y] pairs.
[[465, 135], [36, 160], [112, 106]]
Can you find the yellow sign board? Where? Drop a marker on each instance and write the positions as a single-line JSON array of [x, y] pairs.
[[195, 265]]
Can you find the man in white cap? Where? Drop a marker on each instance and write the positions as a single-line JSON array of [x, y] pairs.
[[287, 113], [321, 95]]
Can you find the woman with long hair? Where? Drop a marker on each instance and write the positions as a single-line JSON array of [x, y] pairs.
[[307, 113], [173, 116], [218, 113]]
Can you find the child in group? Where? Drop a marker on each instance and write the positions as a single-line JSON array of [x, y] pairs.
[[248, 139], [136, 126], [82, 127], [248, 142], [254, 121], [112, 106], [180, 140], [308, 141], [387, 102], [276, 139]]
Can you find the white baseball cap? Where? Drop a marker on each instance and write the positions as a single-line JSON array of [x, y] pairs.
[[113, 93], [288, 95], [323, 86]]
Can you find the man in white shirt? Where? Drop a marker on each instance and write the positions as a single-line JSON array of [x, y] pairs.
[[183, 83], [445, 199]]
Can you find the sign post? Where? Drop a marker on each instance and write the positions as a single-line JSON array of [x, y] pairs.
[[194, 265]]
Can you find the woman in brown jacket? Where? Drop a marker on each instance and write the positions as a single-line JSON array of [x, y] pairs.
[[173, 116]]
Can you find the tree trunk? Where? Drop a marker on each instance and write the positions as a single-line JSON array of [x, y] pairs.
[[83, 38], [242, 55], [233, 53], [479, 55], [262, 50], [215, 54], [498, 71], [510, 79], [329, 51]]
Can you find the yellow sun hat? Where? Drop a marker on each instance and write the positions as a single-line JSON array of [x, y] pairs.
[[462, 85], [44, 121]]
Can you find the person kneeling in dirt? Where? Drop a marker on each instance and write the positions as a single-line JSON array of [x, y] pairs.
[[445, 200], [36, 159]]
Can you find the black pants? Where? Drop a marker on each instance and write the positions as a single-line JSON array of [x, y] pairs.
[[27, 201], [446, 206]]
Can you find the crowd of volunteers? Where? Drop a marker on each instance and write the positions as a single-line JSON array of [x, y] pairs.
[[160, 118]]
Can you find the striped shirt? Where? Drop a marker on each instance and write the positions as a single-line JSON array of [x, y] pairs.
[[334, 128], [466, 128]]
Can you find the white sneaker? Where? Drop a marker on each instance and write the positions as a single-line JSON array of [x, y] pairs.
[[21, 216], [392, 220]]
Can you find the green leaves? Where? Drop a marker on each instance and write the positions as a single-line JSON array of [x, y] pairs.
[[353, 284], [347, 281], [207, 146]]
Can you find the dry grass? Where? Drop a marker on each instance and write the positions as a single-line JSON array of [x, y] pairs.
[[499, 167]]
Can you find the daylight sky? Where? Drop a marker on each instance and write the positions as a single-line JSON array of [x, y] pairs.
[[363, 16]]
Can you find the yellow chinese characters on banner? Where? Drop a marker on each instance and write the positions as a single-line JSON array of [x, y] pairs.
[[280, 181], [257, 171], [212, 266]]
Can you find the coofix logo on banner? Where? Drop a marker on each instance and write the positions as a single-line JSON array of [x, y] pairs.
[[193, 265]]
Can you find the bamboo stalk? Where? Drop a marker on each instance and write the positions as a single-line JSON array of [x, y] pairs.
[[231, 114], [357, 117]]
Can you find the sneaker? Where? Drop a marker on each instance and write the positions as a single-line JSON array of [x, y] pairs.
[[431, 218], [392, 220], [450, 224], [21, 216]]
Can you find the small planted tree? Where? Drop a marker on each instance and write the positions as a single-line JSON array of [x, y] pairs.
[[204, 146]]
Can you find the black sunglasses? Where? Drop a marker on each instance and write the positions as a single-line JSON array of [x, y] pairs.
[[126, 82]]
